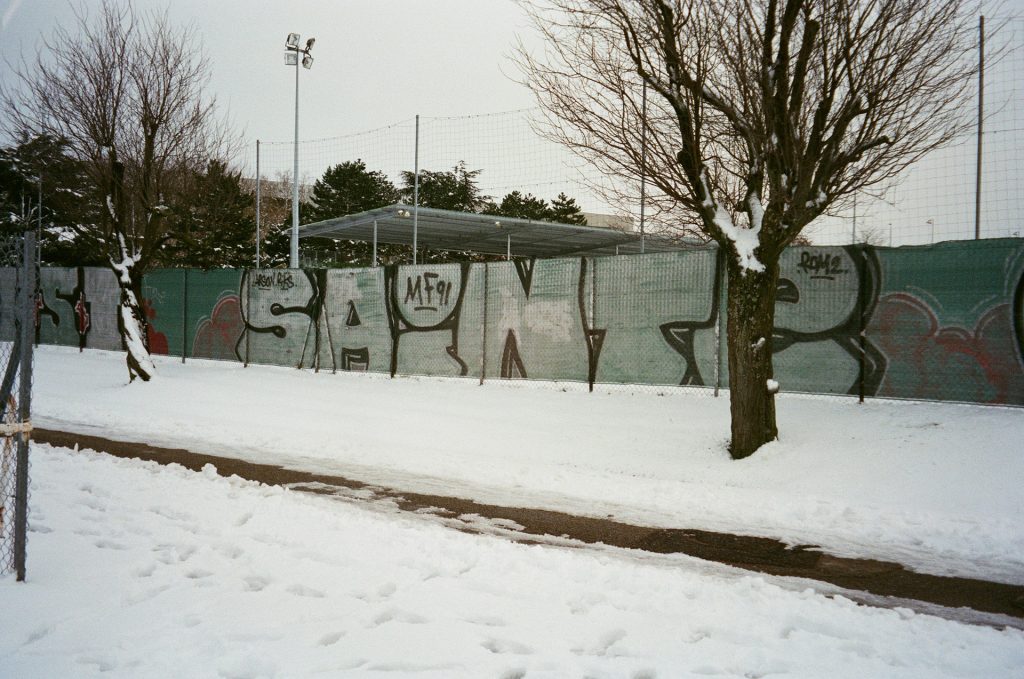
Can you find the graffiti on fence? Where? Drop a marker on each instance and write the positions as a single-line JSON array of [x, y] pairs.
[[940, 322], [425, 303], [80, 307], [823, 297]]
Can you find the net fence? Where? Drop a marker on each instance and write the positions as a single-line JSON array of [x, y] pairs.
[[15, 386], [932, 201]]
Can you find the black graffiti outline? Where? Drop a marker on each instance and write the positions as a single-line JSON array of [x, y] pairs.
[[355, 359], [399, 325], [846, 334], [594, 337], [313, 308], [1018, 317], [524, 269], [511, 361], [352, 317], [81, 307], [680, 335], [43, 309]]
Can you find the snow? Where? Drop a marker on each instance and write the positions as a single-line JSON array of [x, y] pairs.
[[933, 486], [744, 240], [137, 570]]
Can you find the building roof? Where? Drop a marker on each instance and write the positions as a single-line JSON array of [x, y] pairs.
[[488, 234]]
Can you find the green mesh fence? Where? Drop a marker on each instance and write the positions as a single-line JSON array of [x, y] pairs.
[[942, 322]]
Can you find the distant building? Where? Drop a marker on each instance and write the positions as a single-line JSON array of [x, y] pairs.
[[603, 221]]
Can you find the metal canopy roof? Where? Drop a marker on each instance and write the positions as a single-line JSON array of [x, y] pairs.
[[489, 234]]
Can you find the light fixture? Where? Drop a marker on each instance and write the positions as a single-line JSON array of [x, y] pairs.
[[291, 58]]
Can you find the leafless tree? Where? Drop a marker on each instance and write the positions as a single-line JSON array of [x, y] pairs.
[[127, 91], [764, 114]]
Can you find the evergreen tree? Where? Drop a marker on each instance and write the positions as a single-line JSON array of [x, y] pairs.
[[562, 209], [68, 200], [348, 188], [455, 189], [345, 189], [213, 225], [515, 204], [565, 211]]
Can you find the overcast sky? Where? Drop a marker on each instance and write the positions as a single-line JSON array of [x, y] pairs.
[[376, 62], [383, 61]]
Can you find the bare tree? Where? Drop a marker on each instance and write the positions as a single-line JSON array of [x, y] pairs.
[[127, 93], [764, 115]]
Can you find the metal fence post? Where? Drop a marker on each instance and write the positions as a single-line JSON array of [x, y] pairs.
[[483, 342], [184, 318], [27, 314], [722, 306]]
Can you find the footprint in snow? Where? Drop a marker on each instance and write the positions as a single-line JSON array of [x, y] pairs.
[[302, 590], [506, 646], [255, 583], [330, 639]]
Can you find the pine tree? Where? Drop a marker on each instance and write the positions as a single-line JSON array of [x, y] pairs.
[[213, 226], [515, 204], [565, 211]]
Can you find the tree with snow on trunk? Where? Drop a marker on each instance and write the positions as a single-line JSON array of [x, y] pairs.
[[748, 119]]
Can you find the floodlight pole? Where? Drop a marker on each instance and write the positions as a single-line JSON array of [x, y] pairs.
[[257, 203], [293, 260], [301, 55]]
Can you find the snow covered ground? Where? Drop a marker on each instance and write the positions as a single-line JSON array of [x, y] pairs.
[[934, 486], [138, 570]]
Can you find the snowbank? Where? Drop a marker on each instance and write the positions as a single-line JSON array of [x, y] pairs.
[[138, 570], [934, 486]]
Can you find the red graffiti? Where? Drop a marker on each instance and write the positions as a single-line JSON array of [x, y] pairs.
[[931, 362], [217, 335], [82, 317], [157, 340]]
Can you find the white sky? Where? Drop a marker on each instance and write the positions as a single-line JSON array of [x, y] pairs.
[[385, 61], [376, 62]]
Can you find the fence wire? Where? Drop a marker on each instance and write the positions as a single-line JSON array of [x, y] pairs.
[[932, 201], [934, 322], [18, 293]]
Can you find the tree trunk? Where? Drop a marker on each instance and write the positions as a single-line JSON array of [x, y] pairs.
[[751, 319], [131, 322]]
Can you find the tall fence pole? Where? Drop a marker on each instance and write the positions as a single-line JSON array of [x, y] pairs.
[[257, 203], [416, 190], [184, 318], [643, 166], [981, 123], [27, 313], [483, 333]]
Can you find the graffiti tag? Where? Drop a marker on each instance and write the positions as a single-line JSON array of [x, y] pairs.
[[282, 280], [428, 292], [821, 265]]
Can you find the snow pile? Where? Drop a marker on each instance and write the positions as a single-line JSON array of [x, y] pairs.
[[934, 486], [137, 570]]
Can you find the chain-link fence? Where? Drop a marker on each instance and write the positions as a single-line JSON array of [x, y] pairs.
[[18, 295], [937, 322]]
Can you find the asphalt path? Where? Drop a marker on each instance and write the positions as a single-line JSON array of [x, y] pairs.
[[889, 583]]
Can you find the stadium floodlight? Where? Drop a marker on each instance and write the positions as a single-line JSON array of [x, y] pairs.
[[291, 58]]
